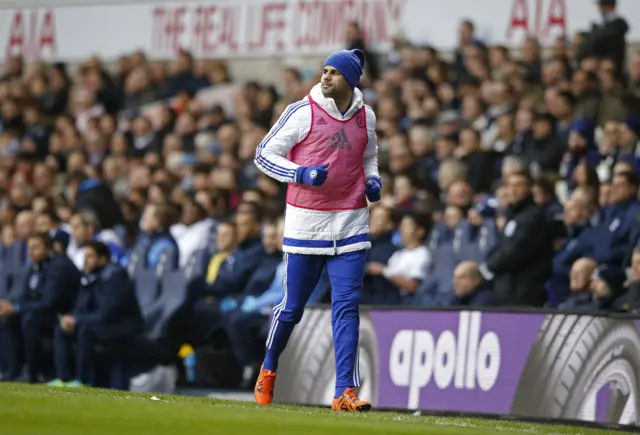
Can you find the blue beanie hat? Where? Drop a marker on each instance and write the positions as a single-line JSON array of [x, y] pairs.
[[350, 63]]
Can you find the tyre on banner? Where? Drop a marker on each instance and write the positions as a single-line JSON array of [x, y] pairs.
[[306, 373], [582, 367]]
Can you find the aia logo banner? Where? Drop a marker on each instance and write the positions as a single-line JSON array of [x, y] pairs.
[[340, 141]]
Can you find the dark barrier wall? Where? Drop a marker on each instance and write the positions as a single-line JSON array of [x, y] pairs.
[[528, 364]]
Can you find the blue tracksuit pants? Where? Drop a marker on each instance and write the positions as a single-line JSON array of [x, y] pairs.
[[302, 272]]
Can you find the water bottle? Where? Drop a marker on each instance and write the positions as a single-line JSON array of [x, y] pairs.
[[190, 367]]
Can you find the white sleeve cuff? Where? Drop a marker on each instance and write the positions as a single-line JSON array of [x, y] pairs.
[[386, 272], [486, 273]]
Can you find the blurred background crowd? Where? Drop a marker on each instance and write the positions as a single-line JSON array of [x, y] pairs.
[[133, 217]]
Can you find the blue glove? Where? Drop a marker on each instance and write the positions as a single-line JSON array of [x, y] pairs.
[[249, 305], [373, 189], [228, 304], [313, 175]]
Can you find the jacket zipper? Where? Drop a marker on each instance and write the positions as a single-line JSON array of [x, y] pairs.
[[333, 235]]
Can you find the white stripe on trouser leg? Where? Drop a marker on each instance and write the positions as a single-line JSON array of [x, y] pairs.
[[278, 308], [356, 369]]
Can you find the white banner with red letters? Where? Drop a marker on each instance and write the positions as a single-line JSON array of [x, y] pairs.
[[263, 28]]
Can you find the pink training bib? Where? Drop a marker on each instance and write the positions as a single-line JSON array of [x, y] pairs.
[[341, 144]]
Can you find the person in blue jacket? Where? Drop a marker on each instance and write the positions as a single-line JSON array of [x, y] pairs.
[[580, 219], [614, 234], [156, 248], [582, 148], [50, 289], [106, 312]]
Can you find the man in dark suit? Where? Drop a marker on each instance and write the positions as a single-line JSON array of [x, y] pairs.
[[50, 289], [106, 312], [520, 263]]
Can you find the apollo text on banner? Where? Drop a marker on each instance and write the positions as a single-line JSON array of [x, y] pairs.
[[259, 28]]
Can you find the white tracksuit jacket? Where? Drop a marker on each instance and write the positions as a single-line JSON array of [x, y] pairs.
[[313, 225]]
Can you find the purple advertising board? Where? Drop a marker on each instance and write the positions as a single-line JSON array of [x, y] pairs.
[[526, 364]]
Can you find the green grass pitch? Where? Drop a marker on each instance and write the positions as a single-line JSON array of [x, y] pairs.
[[38, 410]]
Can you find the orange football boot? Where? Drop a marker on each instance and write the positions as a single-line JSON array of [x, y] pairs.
[[263, 392], [349, 401]]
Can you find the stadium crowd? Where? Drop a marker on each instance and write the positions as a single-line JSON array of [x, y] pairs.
[[134, 218]]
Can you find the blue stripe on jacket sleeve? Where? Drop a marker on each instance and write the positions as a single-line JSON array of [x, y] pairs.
[[260, 159]]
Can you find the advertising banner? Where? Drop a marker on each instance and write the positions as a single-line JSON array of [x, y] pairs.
[[526, 364], [265, 28]]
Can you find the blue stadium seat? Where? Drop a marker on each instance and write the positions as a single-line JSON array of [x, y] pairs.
[[14, 281], [147, 290], [173, 295], [4, 281], [15, 256], [444, 257], [488, 235], [196, 266], [471, 252]]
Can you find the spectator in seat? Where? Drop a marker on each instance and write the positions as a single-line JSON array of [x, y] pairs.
[[377, 289], [243, 261], [46, 221], [106, 312], [580, 220], [24, 226], [608, 288], [91, 194], [480, 164], [263, 274], [582, 149], [408, 267], [584, 86], [50, 289], [469, 288], [156, 221], [580, 285], [226, 243], [545, 196], [631, 300], [520, 263], [619, 220], [193, 231], [629, 134], [85, 227], [544, 149]]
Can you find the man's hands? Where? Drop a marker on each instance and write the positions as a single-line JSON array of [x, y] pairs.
[[373, 189], [68, 323], [375, 269], [6, 309], [314, 176]]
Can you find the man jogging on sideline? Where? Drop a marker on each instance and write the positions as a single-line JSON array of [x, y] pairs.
[[325, 147]]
